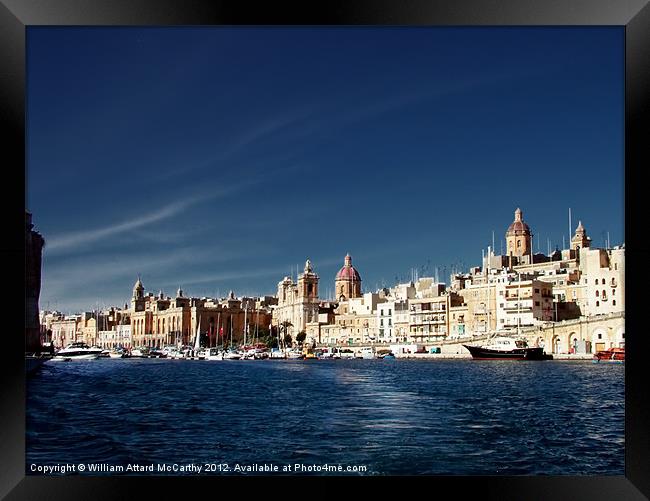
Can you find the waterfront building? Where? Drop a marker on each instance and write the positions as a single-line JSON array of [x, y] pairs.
[[429, 320], [457, 326], [401, 317], [34, 243], [158, 321], [298, 303], [603, 274], [64, 330], [523, 303], [385, 321], [479, 295], [348, 281]]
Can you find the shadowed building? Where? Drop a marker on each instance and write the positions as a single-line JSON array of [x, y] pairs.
[[34, 243]]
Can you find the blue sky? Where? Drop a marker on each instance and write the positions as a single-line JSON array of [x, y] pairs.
[[218, 158]]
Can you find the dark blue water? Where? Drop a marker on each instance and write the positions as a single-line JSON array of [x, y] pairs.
[[400, 417]]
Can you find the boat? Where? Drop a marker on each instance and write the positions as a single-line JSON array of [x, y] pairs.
[[115, 354], [231, 355], [213, 354], [78, 351], [277, 353], [507, 348], [138, 353], [346, 353], [105, 354], [295, 354], [388, 356], [611, 355], [367, 353]]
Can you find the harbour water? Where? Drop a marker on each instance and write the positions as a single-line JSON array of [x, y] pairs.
[[375, 417]]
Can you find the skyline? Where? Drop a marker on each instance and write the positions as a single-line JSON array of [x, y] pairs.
[[286, 150]]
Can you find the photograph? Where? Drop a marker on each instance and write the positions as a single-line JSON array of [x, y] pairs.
[[325, 250]]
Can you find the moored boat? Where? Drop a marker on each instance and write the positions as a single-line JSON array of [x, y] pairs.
[[507, 348], [611, 355], [78, 351]]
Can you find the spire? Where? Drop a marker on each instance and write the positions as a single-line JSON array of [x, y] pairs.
[[179, 292], [308, 267], [518, 214], [348, 259]]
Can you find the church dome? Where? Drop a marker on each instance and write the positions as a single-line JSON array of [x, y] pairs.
[[518, 227], [348, 272]]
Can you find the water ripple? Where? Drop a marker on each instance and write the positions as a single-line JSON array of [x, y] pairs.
[[406, 418]]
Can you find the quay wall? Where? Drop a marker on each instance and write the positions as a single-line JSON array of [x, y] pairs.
[[558, 338]]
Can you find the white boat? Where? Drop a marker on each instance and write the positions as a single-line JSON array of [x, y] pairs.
[[78, 351], [277, 353], [231, 355], [346, 353], [368, 353], [294, 354], [213, 354]]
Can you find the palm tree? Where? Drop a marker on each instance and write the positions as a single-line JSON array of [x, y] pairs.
[[287, 337]]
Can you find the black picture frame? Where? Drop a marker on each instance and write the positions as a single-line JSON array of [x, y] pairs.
[[634, 15]]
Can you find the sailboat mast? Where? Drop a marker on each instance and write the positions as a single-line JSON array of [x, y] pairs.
[[245, 319]]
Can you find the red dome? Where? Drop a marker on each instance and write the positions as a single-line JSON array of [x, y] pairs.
[[518, 227], [348, 272]]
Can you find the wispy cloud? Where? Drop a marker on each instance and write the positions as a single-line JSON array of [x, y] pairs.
[[57, 244], [261, 131]]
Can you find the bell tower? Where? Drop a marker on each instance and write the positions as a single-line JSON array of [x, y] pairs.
[[308, 284], [518, 237]]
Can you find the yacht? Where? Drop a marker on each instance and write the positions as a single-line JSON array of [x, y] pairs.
[[78, 351], [507, 348]]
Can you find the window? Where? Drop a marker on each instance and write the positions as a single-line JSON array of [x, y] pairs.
[[602, 281], [500, 293], [614, 302], [596, 281], [500, 305], [597, 303], [536, 291], [389, 312], [536, 303], [597, 293], [600, 336]]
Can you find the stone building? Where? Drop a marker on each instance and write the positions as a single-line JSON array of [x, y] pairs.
[[157, 321], [298, 303], [34, 243]]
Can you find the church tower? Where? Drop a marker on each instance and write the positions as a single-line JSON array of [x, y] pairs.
[[308, 284], [519, 237], [580, 240], [137, 301], [347, 284]]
